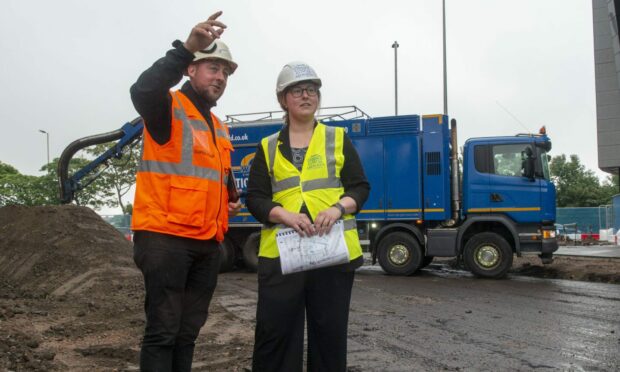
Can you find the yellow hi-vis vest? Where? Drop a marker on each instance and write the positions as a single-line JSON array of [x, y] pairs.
[[317, 185]]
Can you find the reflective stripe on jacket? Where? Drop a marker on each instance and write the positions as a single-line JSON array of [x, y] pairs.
[[317, 185], [181, 185]]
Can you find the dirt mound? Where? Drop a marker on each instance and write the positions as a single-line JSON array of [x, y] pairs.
[[56, 250], [589, 269], [71, 298], [65, 276]]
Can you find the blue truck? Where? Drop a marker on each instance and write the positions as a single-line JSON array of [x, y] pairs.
[[426, 201], [419, 206]]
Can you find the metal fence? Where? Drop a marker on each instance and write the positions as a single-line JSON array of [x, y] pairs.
[[615, 208], [594, 219], [587, 220]]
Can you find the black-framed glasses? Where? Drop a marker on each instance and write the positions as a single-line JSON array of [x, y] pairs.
[[299, 91]]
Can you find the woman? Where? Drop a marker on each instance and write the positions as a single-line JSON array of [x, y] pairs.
[[306, 177]]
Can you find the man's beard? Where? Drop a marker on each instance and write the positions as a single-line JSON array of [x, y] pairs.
[[211, 98]]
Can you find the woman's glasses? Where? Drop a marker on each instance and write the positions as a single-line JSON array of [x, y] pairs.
[[299, 91]]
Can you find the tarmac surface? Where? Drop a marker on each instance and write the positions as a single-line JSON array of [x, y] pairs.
[[447, 320]]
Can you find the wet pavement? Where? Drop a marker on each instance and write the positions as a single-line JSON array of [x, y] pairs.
[[447, 320]]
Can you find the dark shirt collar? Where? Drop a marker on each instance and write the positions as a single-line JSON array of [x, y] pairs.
[[201, 103], [284, 136]]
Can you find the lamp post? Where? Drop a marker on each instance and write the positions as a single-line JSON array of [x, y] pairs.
[[395, 46], [445, 72], [47, 140]]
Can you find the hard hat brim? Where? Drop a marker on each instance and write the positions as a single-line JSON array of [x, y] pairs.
[[203, 56], [282, 89]]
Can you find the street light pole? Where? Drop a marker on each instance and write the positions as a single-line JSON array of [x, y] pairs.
[[445, 71], [47, 137], [395, 46]]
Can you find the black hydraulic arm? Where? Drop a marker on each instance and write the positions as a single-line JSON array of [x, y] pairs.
[[127, 135]]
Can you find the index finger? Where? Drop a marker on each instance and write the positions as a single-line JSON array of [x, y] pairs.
[[215, 15]]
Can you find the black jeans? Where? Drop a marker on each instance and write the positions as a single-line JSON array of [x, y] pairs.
[[180, 275], [284, 301]]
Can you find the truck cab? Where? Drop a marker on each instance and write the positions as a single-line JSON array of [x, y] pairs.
[[508, 175], [507, 191]]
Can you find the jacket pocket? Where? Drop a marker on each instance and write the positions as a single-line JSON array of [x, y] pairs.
[[226, 148], [188, 203]]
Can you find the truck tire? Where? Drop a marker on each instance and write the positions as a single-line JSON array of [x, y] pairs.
[[250, 251], [399, 254], [227, 255], [488, 255]]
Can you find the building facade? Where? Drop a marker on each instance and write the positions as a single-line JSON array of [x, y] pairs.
[[607, 75]]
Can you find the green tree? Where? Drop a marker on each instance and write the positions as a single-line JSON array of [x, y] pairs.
[[610, 187], [576, 186], [20, 189], [7, 169], [17, 188], [23, 190]]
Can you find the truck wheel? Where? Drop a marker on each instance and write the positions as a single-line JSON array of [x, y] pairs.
[[227, 255], [488, 255], [399, 254], [426, 261], [250, 251]]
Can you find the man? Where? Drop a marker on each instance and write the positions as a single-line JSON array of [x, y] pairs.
[[181, 206]]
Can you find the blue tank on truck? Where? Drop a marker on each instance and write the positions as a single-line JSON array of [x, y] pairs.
[[426, 201]]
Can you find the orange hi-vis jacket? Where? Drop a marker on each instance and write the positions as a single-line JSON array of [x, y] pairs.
[[181, 185]]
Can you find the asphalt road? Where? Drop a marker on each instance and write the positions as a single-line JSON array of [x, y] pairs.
[[444, 320]]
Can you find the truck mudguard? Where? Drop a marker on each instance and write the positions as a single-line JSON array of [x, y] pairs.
[[395, 227], [505, 221]]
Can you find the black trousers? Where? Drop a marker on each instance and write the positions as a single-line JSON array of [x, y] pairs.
[[180, 275], [284, 300]]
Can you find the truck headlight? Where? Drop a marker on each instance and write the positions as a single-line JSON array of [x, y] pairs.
[[548, 234]]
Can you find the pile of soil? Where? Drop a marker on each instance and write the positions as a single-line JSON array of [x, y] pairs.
[[65, 278], [589, 269], [58, 250], [71, 298]]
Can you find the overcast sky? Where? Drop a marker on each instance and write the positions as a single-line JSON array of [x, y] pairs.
[[67, 65]]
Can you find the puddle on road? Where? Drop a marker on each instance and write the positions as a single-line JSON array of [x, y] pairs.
[[441, 270]]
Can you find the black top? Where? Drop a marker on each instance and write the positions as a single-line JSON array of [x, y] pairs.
[[259, 195], [151, 98], [298, 156]]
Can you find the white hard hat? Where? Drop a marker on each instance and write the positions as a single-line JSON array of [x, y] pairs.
[[294, 72], [219, 50]]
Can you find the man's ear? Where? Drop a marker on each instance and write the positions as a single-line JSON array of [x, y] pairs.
[[191, 70]]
